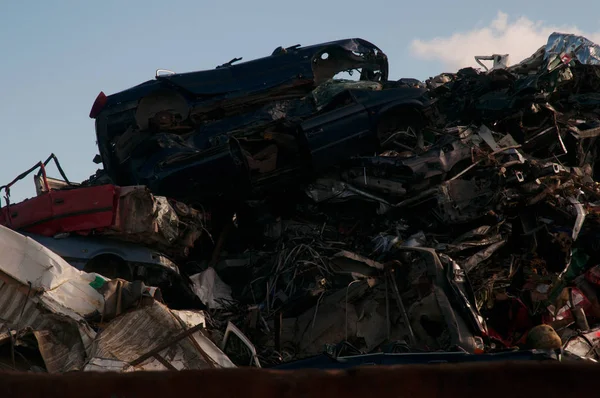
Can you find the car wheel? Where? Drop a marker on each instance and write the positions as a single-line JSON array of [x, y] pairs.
[[109, 266], [182, 209]]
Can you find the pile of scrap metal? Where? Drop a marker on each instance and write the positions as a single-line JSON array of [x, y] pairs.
[[304, 220], [57, 318]]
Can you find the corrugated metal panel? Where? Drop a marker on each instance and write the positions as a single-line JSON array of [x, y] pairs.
[[136, 333], [61, 347], [17, 310]]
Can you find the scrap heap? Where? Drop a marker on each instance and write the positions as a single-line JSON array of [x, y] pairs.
[[282, 221]]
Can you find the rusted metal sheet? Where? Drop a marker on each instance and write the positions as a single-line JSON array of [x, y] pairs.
[[466, 380]]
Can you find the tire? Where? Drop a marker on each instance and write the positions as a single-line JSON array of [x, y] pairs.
[[109, 266]]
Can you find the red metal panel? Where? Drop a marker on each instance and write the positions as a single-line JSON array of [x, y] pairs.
[[28, 212], [74, 210]]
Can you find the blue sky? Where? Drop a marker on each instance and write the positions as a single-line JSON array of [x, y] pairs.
[[58, 55]]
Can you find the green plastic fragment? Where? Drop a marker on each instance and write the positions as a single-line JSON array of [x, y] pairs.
[[98, 282]]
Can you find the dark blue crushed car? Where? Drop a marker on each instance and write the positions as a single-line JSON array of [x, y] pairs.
[[260, 123]]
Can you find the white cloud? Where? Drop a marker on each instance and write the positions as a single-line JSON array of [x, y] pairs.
[[519, 38]]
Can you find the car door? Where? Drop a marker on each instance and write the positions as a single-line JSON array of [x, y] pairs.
[[339, 133]]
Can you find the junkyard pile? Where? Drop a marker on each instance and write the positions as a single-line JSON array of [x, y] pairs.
[[280, 213]]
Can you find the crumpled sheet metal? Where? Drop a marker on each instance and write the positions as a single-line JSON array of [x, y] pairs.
[[62, 341], [481, 256], [211, 289], [180, 355], [17, 311], [41, 292], [189, 319], [62, 288], [120, 295], [62, 346], [584, 345], [327, 189], [578, 47], [151, 220], [529, 64], [138, 332]]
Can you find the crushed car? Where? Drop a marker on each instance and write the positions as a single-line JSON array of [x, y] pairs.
[[131, 214], [260, 123]]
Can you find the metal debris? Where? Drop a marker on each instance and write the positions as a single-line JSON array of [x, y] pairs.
[[314, 221]]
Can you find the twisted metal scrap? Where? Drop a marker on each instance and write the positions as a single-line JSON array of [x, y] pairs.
[[580, 48]]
